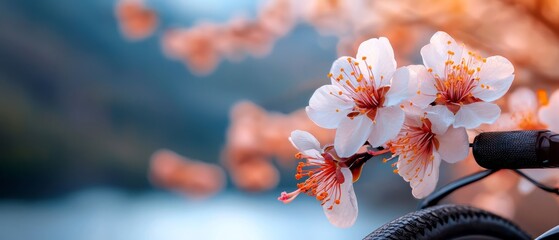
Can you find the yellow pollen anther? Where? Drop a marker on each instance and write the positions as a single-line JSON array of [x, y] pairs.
[[337, 110], [430, 70], [337, 201], [450, 52], [349, 59], [395, 171], [449, 42], [340, 93], [330, 75], [418, 92], [363, 58]]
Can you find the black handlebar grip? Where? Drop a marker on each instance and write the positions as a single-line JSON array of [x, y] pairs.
[[517, 149]]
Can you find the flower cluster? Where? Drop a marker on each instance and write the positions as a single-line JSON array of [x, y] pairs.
[[418, 113]]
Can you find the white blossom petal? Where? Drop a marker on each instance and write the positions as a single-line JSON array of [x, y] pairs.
[[343, 215], [380, 56], [440, 117], [399, 88], [388, 122], [303, 141], [436, 53], [413, 115], [474, 114], [351, 135], [327, 107], [340, 64], [424, 91], [423, 181], [549, 114], [433, 60], [495, 78], [453, 145]]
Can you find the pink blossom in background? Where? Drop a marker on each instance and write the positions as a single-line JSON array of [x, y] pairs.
[[196, 47], [136, 21], [549, 113], [193, 178], [255, 137]]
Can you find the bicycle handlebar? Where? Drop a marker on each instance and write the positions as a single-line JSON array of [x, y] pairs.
[[517, 149]]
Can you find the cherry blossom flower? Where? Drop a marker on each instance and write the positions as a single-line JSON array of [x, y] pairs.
[[328, 179], [548, 115], [523, 108], [364, 100], [461, 80], [424, 140]]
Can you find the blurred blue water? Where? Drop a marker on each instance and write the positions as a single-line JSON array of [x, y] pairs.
[[112, 215], [82, 106]]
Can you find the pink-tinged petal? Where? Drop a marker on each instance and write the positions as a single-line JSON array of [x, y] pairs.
[[444, 43], [474, 114], [427, 179], [327, 107], [549, 114], [343, 215], [303, 141], [399, 88], [424, 91], [440, 117], [522, 100], [388, 122], [495, 78], [423, 181], [380, 56], [351, 135], [436, 53], [453, 145], [413, 115], [314, 155], [339, 77], [433, 60]]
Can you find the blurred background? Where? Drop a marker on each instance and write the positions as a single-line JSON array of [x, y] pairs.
[[168, 119]]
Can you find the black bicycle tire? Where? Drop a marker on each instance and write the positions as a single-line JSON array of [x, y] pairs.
[[448, 222]]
